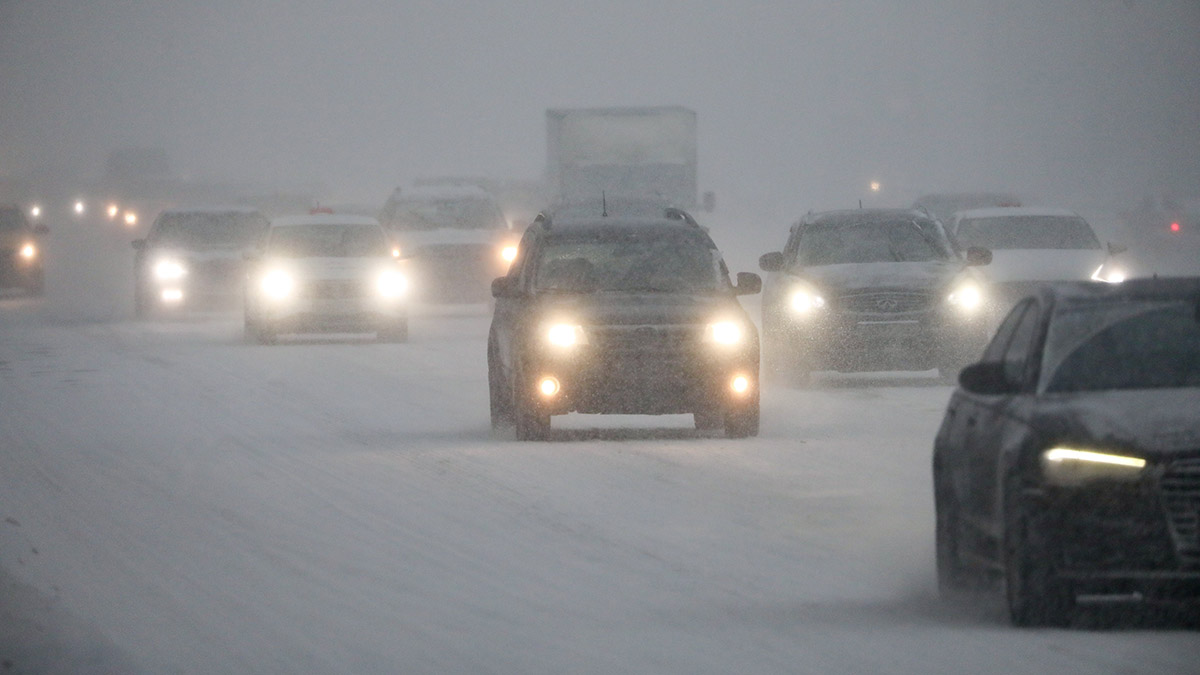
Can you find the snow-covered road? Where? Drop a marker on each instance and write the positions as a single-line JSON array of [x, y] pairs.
[[194, 504]]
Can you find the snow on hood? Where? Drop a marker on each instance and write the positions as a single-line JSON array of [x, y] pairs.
[[1152, 421], [1043, 265], [930, 275]]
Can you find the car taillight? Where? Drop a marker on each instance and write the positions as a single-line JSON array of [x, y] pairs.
[[1175, 227]]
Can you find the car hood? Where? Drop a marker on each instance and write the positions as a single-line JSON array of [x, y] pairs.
[[917, 276], [200, 255], [629, 309], [333, 268], [1043, 265], [1154, 422], [413, 241]]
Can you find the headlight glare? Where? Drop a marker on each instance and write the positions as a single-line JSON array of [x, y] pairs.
[[391, 284], [29, 251], [803, 301], [508, 253], [565, 335], [966, 296], [277, 284], [724, 332], [1073, 466], [169, 270], [1108, 275]]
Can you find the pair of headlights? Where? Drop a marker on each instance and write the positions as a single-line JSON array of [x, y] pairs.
[[279, 284], [565, 335]]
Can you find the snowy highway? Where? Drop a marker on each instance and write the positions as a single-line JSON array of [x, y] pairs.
[[174, 500]]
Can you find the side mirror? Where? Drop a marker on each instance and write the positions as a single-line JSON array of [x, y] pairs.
[[978, 255], [771, 262], [1116, 249], [138, 244], [985, 377], [505, 287], [42, 228], [748, 283]]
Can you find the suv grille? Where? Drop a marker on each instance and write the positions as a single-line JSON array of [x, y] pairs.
[[336, 289], [886, 303], [671, 340], [1181, 498]]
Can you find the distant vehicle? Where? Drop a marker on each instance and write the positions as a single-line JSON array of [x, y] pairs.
[[20, 251], [1031, 246], [868, 290], [621, 315], [943, 205], [1166, 215], [1068, 461], [456, 237], [634, 151], [193, 258], [326, 273]]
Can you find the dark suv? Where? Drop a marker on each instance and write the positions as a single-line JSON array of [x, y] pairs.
[[194, 258], [872, 289], [20, 253], [622, 315]]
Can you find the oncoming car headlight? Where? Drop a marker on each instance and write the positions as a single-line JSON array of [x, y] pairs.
[[565, 334], [277, 284], [1108, 274], [967, 296], [508, 253], [391, 284], [1072, 466], [805, 300], [724, 332], [169, 269], [29, 251]]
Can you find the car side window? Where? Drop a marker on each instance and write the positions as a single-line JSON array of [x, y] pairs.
[[999, 344], [793, 244], [1016, 356]]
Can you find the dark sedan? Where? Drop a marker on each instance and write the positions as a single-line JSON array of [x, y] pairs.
[[1068, 461], [871, 289], [620, 315]]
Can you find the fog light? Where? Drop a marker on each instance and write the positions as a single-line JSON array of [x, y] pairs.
[[740, 384], [172, 295], [548, 386]]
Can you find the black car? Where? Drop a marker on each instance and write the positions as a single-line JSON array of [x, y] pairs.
[[622, 315], [871, 289], [1068, 461], [193, 258], [20, 251]]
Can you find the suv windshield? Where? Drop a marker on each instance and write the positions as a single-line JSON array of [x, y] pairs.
[[1128, 345], [327, 241], [839, 242], [451, 213], [1027, 232], [630, 262], [196, 231]]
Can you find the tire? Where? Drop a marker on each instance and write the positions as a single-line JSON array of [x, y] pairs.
[[531, 423], [499, 400], [953, 577], [708, 420], [397, 332], [742, 422], [1036, 595]]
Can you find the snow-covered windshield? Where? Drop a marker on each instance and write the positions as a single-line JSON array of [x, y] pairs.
[[1128, 345], [872, 241], [629, 261], [327, 241], [1027, 232], [451, 213], [199, 231]]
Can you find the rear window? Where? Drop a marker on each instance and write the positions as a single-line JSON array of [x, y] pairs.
[[198, 230]]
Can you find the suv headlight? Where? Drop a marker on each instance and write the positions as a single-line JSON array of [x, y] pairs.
[[1073, 466], [508, 253], [391, 284], [564, 334], [277, 284], [28, 251], [169, 269], [967, 296], [805, 300], [724, 333]]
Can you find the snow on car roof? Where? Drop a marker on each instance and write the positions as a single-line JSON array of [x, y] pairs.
[[324, 219], [1009, 211]]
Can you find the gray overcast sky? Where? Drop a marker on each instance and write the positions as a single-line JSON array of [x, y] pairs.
[[800, 103]]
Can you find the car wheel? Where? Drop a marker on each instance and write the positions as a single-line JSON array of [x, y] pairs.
[[953, 577], [531, 423], [1036, 595], [500, 404], [742, 422], [708, 419], [396, 332]]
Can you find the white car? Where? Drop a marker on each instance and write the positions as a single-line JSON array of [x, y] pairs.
[[327, 273], [1032, 246]]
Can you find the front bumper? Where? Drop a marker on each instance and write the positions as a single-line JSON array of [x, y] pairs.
[[328, 314], [858, 342]]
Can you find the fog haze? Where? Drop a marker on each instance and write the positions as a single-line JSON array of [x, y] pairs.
[[800, 105]]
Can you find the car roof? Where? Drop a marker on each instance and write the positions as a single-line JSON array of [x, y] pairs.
[[1011, 211], [324, 219], [600, 224], [865, 215]]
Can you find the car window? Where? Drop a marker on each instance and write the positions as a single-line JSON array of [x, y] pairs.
[[327, 241], [198, 231], [1128, 345], [450, 213], [994, 352], [870, 242], [633, 262], [1027, 232], [1016, 355]]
